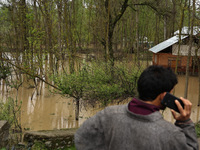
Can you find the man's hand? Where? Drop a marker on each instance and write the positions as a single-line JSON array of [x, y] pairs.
[[184, 113]]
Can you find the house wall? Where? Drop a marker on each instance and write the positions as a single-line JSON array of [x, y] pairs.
[[184, 50], [169, 60]]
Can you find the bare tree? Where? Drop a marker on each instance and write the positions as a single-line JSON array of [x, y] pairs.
[[189, 51]]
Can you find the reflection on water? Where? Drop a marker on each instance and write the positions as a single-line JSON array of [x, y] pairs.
[[45, 111]]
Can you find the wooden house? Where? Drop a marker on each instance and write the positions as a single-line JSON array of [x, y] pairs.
[[166, 52]]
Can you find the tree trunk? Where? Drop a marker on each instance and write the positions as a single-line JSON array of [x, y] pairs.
[[110, 25], [180, 32], [59, 5], [24, 41], [137, 37], [165, 22], [48, 26], [198, 67], [157, 30], [173, 18], [66, 26], [107, 31], [77, 109], [199, 81], [15, 22], [189, 52]]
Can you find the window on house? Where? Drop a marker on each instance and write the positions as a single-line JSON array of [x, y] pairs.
[[172, 62]]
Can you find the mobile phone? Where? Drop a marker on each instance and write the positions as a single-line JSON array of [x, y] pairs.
[[169, 101]]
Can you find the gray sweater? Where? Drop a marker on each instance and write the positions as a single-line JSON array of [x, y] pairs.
[[116, 128]]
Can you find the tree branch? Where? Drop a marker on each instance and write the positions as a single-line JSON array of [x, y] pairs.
[[30, 74], [132, 8], [123, 9], [160, 11]]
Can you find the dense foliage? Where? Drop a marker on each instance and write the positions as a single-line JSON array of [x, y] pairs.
[[62, 26]]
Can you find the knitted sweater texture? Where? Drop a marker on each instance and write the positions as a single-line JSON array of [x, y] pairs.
[[116, 128]]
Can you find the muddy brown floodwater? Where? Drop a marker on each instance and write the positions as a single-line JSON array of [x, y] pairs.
[[49, 111], [193, 90]]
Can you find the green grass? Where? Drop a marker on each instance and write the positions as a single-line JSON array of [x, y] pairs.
[[71, 148], [197, 128]]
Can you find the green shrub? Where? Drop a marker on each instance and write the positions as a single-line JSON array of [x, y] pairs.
[[10, 111], [99, 82], [39, 146]]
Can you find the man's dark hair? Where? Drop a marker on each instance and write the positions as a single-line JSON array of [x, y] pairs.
[[155, 80]]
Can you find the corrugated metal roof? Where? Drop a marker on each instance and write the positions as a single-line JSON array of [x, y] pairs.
[[161, 46]]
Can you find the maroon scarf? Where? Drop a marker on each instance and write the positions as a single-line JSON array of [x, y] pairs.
[[139, 107]]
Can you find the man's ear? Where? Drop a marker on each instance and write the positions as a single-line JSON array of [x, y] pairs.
[[162, 95]]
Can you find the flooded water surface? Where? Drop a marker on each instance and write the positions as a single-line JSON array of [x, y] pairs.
[[193, 90], [48, 111]]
